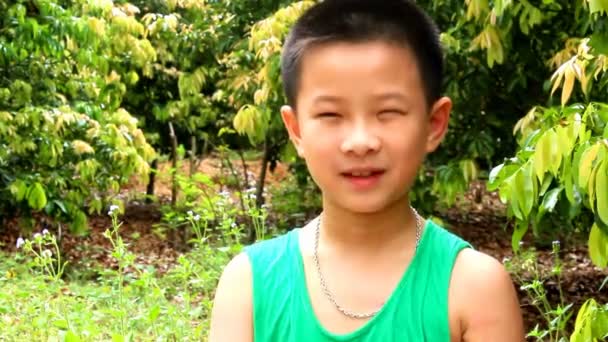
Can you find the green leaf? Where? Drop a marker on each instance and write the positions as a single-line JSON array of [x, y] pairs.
[[547, 181], [19, 188], [71, 337], [598, 6], [154, 313], [61, 206], [118, 338], [591, 189], [525, 189], [79, 223], [542, 157], [521, 228], [582, 320], [515, 195], [599, 42], [601, 186], [469, 170], [598, 247], [586, 165], [61, 324], [36, 197], [564, 140], [95, 205], [493, 177], [550, 199]]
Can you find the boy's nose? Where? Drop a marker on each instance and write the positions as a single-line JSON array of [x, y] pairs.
[[360, 141]]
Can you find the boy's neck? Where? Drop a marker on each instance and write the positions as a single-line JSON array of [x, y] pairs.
[[369, 232]]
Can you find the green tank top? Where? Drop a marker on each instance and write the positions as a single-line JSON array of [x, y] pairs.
[[417, 310]]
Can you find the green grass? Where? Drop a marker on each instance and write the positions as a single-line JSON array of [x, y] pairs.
[[148, 307]]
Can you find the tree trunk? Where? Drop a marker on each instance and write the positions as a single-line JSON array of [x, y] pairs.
[[262, 178], [193, 164], [173, 165], [245, 169], [151, 181]]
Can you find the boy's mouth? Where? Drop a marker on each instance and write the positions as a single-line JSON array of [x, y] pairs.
[[362, 173], [363, 178]]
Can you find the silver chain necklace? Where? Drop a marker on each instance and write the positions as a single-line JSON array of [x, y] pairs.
[[328, 294]]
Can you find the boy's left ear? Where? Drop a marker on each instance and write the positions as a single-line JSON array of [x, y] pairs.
[[290, 120], [439, 117]]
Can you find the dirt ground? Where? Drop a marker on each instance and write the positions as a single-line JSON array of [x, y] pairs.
[[482, 224]]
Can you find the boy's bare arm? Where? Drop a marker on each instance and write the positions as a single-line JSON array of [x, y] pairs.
[[485, 299], [231, 318]]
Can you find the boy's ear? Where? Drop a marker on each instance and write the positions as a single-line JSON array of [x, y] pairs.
[[293, 127], [438, 123]]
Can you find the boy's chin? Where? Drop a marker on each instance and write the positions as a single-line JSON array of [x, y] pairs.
[[367, 206]]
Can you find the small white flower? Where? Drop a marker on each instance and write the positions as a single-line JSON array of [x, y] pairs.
[[20, 242], [190, 213], [224, 193], [556, 243], [197, 218], [521, 243], [47, 253], [37, 236], [252, 196], [113, 208], [44, 232], [233, 225], [250, 190]]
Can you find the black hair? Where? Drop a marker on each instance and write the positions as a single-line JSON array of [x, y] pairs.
[[399, 22]]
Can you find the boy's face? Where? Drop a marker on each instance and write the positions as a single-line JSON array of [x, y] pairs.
[[363, 124]]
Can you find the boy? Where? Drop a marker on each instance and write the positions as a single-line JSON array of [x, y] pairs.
[[363, 82]]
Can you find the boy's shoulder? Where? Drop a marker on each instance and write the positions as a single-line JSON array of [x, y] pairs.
[[477, 280], [274, 252], [273, 244]]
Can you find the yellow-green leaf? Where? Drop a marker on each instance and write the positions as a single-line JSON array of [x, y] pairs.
[[81, 147], [475, 8], [601, 186], [586, 164], [19, 189], [520, 230], [598, 6], [591, 187], [542, 156], [598, 247], [563, 139], [469, 170], [550, 200], [524, 190], [36, 197], [569, 77]]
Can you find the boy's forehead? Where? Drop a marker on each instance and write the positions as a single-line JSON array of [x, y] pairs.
[[385, 70], [354, 57]]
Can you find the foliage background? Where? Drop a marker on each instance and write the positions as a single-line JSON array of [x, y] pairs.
[[95, 93]]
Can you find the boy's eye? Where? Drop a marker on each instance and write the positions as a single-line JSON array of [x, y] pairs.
[[391, 112], [327, 115]]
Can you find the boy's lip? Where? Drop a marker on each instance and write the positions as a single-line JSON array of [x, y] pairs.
[[362, 170], [363, 178]]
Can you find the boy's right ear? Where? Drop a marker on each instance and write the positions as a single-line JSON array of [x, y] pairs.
[[293, 127]]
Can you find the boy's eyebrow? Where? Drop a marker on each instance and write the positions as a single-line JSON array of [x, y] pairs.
[[383, 96], [392, 96], [326, 98]]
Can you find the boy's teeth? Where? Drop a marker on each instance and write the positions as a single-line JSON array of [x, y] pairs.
[[361, 174]]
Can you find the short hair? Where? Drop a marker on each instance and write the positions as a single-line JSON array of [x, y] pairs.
[[399, 22]]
